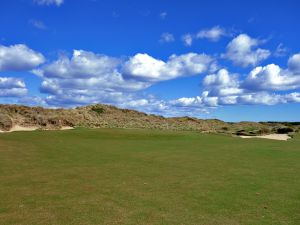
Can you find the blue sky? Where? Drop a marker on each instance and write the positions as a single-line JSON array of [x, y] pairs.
[[231, 60]]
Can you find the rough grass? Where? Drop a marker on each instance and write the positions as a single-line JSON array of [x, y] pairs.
[[115, 176]]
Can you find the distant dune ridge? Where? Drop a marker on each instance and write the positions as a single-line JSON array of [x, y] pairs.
[[18, 117]]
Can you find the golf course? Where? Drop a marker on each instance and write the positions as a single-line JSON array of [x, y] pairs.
[[134, 176]]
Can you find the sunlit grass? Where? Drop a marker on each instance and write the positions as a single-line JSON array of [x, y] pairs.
[[115, 176]]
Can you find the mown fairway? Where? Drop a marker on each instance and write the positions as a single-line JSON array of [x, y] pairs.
[[114, 176]]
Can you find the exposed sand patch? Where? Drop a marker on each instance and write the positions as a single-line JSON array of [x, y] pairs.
[[280, 137], [31, 128], [66, 128], [20, 128]]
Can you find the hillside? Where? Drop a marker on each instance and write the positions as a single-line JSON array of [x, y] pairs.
[[106, 116]]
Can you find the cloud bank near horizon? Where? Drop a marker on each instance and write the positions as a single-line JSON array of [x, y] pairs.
[[86, 77]]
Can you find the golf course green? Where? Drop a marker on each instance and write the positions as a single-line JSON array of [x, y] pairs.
[[127, 176]]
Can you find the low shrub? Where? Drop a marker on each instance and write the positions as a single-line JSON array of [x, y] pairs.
[[98, 110], [284, 130], [5, 122]]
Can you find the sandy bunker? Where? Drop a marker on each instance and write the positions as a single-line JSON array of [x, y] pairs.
[[32, 128], [280, 137]]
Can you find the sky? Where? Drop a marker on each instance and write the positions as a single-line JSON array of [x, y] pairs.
[[226, 59]]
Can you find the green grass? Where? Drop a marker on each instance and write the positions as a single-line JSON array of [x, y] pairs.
[[115, 176]]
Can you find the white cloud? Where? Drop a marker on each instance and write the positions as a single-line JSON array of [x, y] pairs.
[[38, 24], [187, 39], [145, 67], [222, 84], [163, 15], [137, 103], [11, 82], [294, 64], [12, 87], [243, 51], [83, 64], [74, 97], [87, 77], [265, 98], [272, 77], [224, 88], [202, 101], [49, 2], [187, 102], [229, 90], [85, 71], [167, 37], [212, 34], [19, 57], [259, 98], [31, 100], [227, 100], [293, 97], [280, 51]]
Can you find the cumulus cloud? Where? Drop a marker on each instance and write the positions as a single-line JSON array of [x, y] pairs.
[[83, 64], [260, 98], [222, 83], [294, 64], [202, 101], [167, 37], [187, 102], [187, 39], [49, 2], [19, 57], [243, 51], [87, 78], [262, 86], [265, 98], [145, 67], [12, 87], [212, 34], [83, 76], [293, 97], [272, 77]]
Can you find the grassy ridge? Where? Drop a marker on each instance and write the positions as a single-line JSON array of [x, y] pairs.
[[117, 176], [107, 116]]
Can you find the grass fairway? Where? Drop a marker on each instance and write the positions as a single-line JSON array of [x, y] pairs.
[[115, 176]]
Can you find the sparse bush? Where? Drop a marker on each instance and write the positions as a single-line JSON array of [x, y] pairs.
[[5, 122], [225, 128], [264, 131], [284, 130], [98, 110], [241, 132]]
